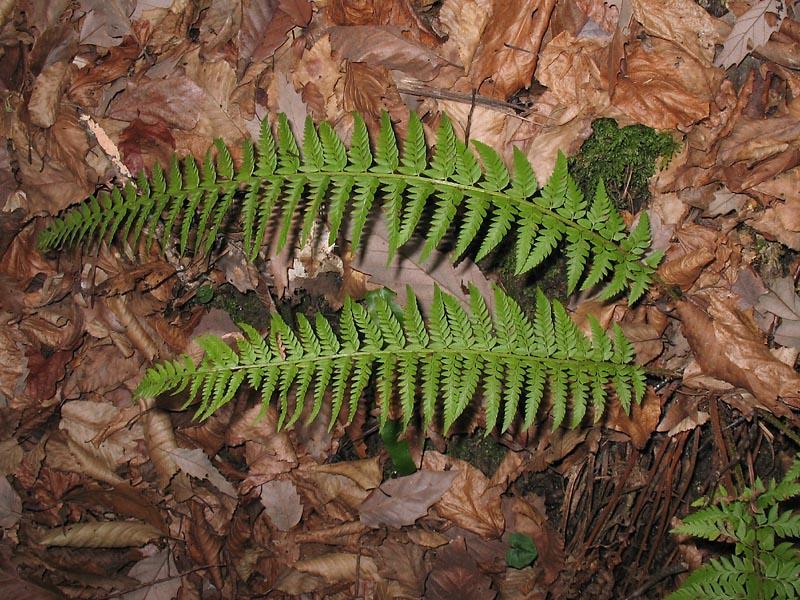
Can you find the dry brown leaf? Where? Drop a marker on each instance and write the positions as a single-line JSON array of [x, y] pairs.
[[366, 473], [47, 93], [640, 423], [751, 31], [340, 566], [159, 576], [682, 415], [683, 22], [527, 515], [386, 46], [455, 574], [684, 270], [10, 505], [106, 534], [465, 22], [506, 58], [401, 501], [196, 463], [403, 564], [159, 437], [470, 502], [281, 503], [665, 87], [728, 345]]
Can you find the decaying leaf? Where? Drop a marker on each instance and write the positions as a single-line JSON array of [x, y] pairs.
[[455, 574], [10, 504]]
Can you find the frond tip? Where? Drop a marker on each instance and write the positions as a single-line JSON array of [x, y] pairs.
[[445, 362], [465, 195]]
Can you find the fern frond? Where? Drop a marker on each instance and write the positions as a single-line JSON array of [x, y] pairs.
[[472, 200], [453, 356]]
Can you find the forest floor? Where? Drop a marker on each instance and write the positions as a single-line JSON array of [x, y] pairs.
[[104, 496]]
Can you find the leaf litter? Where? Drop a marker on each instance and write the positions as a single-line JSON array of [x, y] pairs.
[[234, 508]]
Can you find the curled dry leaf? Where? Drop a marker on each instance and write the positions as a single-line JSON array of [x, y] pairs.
[[159, 437], [683, 271], [729, 346], [401, 501], [122, 534], [640, 423]]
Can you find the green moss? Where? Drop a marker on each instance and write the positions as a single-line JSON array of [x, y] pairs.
[[481, 451], [625, 159], [243, 308]]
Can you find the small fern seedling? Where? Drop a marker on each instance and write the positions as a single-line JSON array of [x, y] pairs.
[[475, 200], [519, 364], [762, 567]]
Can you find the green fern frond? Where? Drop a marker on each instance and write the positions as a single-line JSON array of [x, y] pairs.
[[447, 361], [759, 569], [463, 196]]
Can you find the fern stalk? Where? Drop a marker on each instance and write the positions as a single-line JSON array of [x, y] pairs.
[[475, 200]]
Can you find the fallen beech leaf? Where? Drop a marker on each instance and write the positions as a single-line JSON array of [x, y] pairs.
[[46, 94], [400, 502], [528, 515], [471, 502], [159, 575], [196, 463], [366, 473], [281, 503], [15, 587], [683, 22], [106, 534], [10, 505], [728, 345]]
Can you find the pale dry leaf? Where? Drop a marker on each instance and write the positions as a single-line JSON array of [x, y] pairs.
[[465, 21], [640, 423], [400, 502], [404, 564], [726, 201], [159, 437], [106, 21], [281, 503], [751, 30], [106, 534], [159, 575], [10, 504], [197, 464], [97, 423]]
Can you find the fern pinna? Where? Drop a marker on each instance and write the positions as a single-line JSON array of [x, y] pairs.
[[477, 202], [515, 362], [762, 567]]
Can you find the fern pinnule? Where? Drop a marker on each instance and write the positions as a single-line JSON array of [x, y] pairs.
[[282, 189], [453, 356]]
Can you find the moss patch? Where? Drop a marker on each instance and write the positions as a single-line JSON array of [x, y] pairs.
[[624, 158]]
